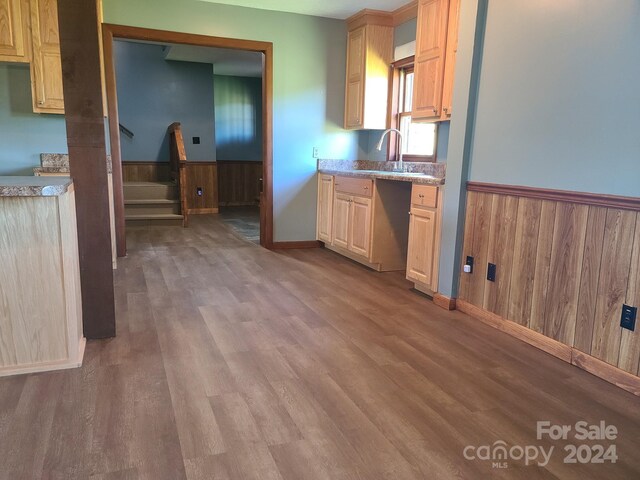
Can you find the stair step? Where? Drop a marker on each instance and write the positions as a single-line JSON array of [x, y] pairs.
[[150, 191], [154, 219], [151, 207]]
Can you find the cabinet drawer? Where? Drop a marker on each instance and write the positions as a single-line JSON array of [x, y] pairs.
[[354, 186], [424, 196]]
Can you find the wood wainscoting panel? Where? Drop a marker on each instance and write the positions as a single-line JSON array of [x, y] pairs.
[[239, 182], [469, 226], [591, 264], [564, 272], [630, 343], [202, 175], [564, 268], [504, 211], [612, 287], [543, 263], [480, 247], [525, 249], [146, 172]]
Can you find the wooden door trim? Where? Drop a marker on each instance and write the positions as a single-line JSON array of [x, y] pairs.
[[584, 198], [110, 32]]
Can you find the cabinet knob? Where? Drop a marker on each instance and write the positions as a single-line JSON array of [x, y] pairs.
[[446, 109], [366, 188], [409, 213]]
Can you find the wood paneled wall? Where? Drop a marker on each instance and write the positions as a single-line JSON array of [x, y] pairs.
[[565, 266], [199, 174], [239, 182], [146, 172], [205, 176]]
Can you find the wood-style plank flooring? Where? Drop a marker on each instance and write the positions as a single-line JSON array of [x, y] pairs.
[[233, 362]]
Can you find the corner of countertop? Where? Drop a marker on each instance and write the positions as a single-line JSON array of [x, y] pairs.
[[14, 186]]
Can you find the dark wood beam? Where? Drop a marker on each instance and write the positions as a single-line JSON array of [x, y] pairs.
[[79, 45]]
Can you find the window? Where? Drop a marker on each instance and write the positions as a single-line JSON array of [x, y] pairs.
[[419, 139]]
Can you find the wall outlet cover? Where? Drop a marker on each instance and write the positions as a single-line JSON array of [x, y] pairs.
[[196, 140], [470, 263], [628, 318], [491, 272]]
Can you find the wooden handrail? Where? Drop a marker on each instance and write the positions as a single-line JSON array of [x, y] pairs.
[[178, 165]]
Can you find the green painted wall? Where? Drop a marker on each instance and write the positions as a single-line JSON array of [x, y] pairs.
[[309, 76], [559, 97], [24, 135], [238, 117], [153, 93]]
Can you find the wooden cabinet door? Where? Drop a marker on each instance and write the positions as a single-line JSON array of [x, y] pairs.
[[429, 63], [13, 27], [325, 207], [450, 59], [354, 96], [360, 226], [420, 254], [46, 69], [341, 208]]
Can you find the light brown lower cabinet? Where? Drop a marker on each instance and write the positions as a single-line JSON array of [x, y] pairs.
[[424, 238], [341, 218], [325, 207], [365, 220], [360, 226]]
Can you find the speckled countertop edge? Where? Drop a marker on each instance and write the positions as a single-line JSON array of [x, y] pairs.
[[426, 180], [59, 163], [34, 186]]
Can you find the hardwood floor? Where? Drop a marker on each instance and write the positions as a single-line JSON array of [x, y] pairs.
[[233, 362]]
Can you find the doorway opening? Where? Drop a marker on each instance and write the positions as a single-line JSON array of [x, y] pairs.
[[236, 161]]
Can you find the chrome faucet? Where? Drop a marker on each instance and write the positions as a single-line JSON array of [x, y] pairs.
[[400, 165]]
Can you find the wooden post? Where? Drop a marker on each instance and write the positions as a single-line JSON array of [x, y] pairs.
[[79, 45]]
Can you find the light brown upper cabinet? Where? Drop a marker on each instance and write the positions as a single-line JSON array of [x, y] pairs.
[[432, 87], [450, 59], [369, 55], [46, 69], [14, 28]]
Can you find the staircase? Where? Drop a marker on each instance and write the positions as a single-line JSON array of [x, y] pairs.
[[152, 203]]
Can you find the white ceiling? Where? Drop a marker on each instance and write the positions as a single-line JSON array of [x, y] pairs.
[[319, 8], [225, 61]]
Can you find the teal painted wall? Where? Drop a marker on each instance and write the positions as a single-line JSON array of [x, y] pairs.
[[238, 117], [308, 104], [558, 96], [153, 93], [405, 32], [24, 135]]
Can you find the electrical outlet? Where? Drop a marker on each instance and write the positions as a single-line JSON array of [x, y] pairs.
[[196, 140], [628, 318], [316, 152], [199, 191], [468, 266], [491, 272]]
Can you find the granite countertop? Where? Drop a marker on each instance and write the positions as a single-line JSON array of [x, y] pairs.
[[421, 173], [58, 163], [421, 179], [34, 186]]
